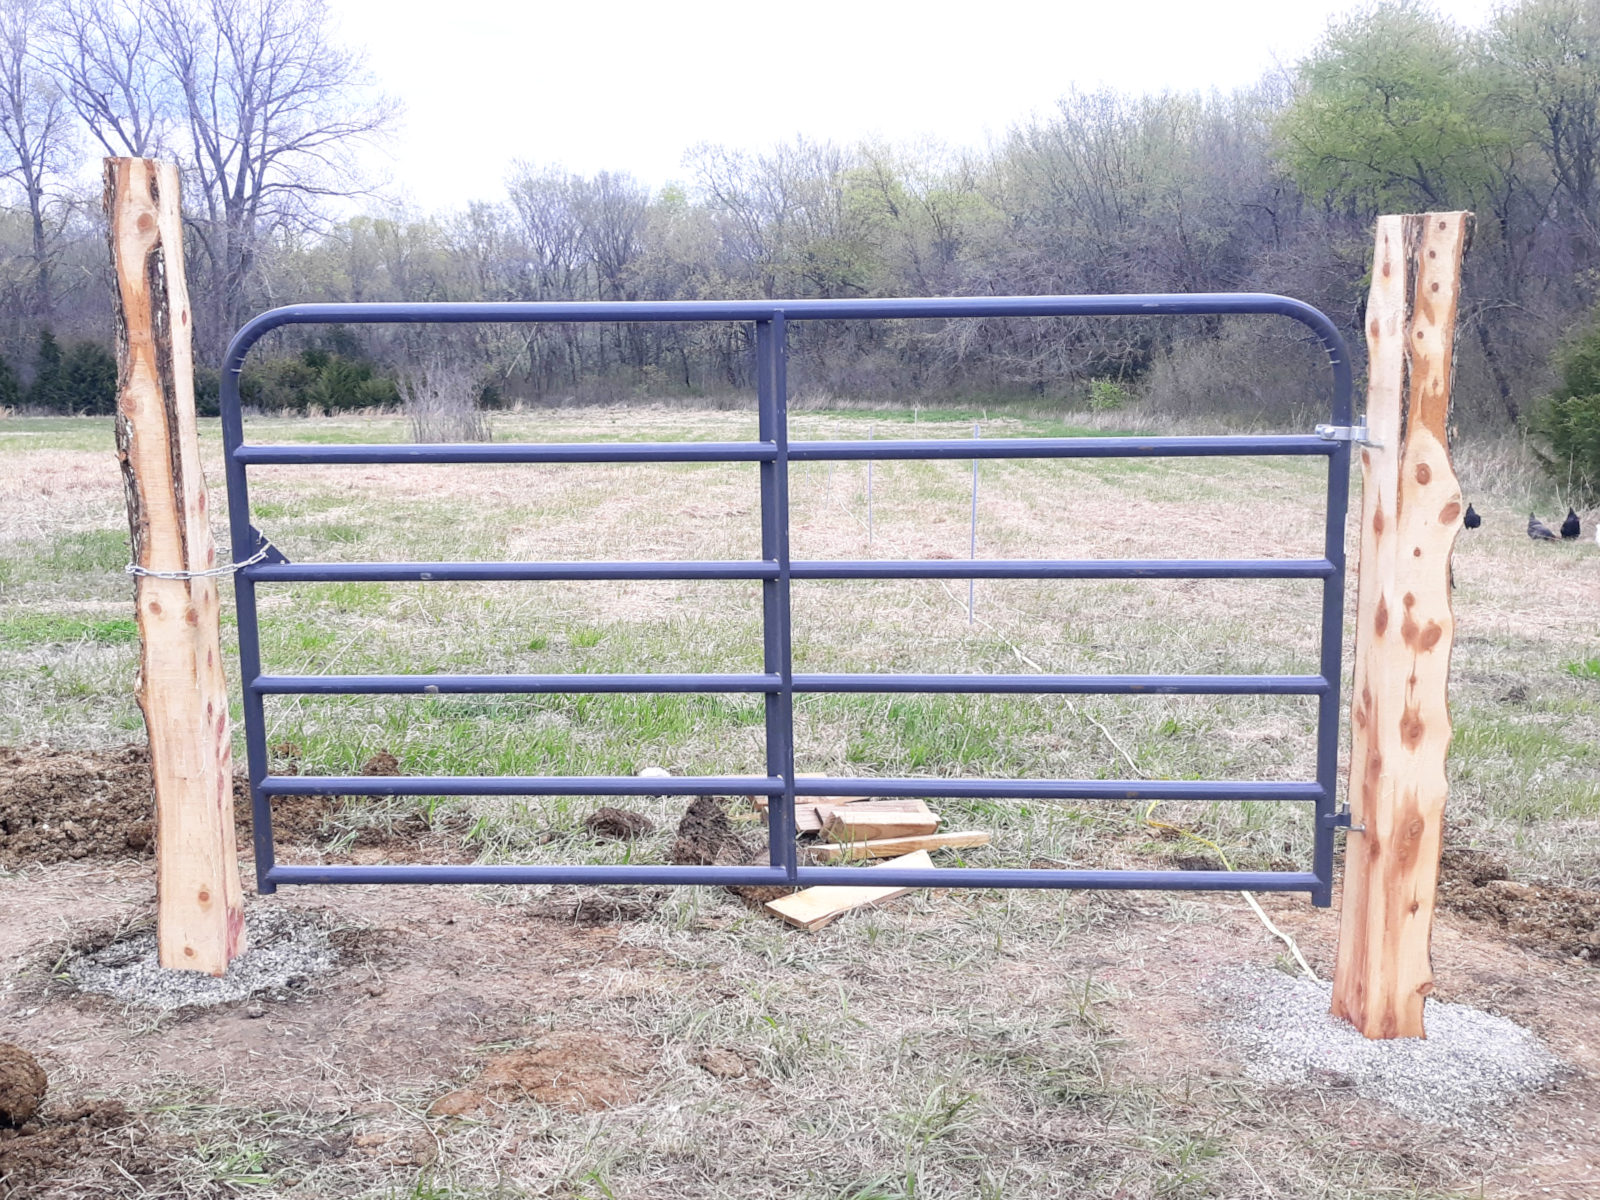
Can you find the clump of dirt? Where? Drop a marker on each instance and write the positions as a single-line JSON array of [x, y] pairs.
[[1545, 917], [578, 1070], [63, 1140], [22, 1085], [381, 763], [724, 1064], [619, 824], [706, 838]]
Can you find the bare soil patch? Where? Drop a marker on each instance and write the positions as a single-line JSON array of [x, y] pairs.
[[1549, 918], [578, 1070], [75, 1138]]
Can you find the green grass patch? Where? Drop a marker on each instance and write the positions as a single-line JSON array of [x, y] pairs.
[[349, 597], [49, 629], [88, 550], [1587, 668]]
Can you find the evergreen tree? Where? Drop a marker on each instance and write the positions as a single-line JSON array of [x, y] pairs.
[[89, 378], [48, 388], [10, 389]]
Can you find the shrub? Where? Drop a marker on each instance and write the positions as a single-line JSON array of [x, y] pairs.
[[1568, 422], [1107, 395], [317, 378], [83, 379]]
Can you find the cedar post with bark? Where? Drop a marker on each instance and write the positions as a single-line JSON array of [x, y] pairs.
[[1399, 714], [200, 907]]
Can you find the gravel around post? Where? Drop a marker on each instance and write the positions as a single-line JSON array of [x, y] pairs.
[[286, 946], [1470, 1065]]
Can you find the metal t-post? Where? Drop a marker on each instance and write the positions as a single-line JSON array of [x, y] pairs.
[[972, 549]]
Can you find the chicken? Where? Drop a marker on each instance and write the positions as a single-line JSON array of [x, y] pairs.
[[1472, 520], [1539, 531], [1570, 528]]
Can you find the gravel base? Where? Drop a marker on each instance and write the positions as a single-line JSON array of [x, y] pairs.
[[1470, 1064], [286, 947]]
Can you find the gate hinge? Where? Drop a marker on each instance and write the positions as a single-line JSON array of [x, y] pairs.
[[1341, 820], [1347, 433], [268, 552]]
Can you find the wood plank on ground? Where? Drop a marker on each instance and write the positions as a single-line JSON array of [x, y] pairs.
[[811, 813], [888, 847], [853, 823], [815, 907]]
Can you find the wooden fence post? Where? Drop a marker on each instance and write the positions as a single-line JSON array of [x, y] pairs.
[[200, 905], [1399, 712]]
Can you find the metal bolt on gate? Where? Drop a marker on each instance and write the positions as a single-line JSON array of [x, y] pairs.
[[777, 572]]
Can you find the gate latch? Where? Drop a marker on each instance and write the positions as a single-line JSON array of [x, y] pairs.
[[1347, 433], [1341, 820], [263, 547]]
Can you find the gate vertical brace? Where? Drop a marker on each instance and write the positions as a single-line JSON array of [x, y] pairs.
[[244, 590], [1331, 663], [772, 403]]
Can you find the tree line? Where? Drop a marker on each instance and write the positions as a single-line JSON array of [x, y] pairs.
[[1271, 187]]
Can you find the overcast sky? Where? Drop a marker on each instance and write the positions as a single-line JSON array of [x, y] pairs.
[[631, 86]]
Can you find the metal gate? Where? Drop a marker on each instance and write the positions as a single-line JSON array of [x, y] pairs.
[[777, 681]]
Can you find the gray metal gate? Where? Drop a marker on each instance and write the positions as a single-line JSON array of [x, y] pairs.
[[777, 681]]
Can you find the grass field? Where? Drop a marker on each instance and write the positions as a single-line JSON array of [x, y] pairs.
[[1025, 1071]]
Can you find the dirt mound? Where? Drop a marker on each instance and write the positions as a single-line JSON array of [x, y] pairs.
[[22, 1085], [620, 824], [381, 763], [1545, 917], [59, 805], [61, 1141], [706, 838], [580, 1071]]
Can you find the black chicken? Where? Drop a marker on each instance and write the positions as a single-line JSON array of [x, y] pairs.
[[1570, 528], [1472, 520], [1539, 531]]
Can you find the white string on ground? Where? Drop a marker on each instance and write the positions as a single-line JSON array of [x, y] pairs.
[[1249, 897]]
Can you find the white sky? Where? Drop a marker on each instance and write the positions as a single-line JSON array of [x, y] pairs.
[[631, 86]]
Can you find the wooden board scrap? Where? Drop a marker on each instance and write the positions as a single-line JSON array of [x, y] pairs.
[[853, 823], [888, 847], [811, 812], [815, 907]]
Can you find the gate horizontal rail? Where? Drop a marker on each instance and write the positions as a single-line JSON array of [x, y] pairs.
[[939, 877], [1104, 568], [762, 785], [622, 453], [776, 571], [1057, 685]]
